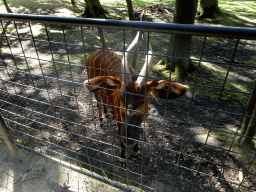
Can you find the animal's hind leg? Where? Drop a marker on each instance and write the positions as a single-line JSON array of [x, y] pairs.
[[99, 105], [122, 160], [136, 149], [105, 108]]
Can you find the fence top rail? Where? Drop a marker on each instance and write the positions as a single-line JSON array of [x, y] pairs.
[[198, 30]]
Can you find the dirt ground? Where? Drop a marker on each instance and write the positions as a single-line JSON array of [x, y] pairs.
[[55, 114], [27, 172]]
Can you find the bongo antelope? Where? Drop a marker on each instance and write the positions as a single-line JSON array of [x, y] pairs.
[[116, 84]]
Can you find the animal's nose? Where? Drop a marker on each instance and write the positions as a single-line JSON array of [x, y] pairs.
[[129, 110]]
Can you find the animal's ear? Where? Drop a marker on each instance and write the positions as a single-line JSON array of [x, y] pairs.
[[97, 83], [166, 90]]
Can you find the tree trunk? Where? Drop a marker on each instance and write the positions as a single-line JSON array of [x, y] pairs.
[[104, 45], [7, 7], [250, 132], [73, 2], [209, 9], [131, 17], [248, 127], [180, 45], [130, 9], [97, 8]]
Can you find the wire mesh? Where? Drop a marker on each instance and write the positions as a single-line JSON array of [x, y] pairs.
[[186, 144]]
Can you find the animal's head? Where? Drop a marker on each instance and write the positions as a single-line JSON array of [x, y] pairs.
[[131, 92]]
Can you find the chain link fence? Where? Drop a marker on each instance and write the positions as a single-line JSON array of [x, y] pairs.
[[187, 144]]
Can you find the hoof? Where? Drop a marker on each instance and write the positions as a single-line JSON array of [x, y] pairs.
[[121, 160], [137, 153]]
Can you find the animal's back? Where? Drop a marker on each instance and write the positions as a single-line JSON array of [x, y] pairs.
[[104, 63]]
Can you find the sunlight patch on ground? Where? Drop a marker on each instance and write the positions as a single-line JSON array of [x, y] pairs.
[[210, 141], [3, 9], [239, 76], [250, 23], [37, 29], [232, 75], [23, 30], [8, 180], [64, 12], [211, 66], [231, 127]]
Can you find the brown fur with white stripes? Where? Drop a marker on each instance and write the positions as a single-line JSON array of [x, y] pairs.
[[124, 93]]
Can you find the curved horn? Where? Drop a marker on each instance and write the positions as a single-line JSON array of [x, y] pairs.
[[148, 61], [126, 76]]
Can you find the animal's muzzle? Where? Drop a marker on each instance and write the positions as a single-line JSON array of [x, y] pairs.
[[129, 136], [128, 142]]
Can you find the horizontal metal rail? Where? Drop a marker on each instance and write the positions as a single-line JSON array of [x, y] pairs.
[[198, 30]]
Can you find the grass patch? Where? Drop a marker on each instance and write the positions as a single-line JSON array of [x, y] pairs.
[[60, 68], [65, 67], [210, 80], [248, 161], [138, 3], [213, 76], [237, 87], [226, 137], [251, 63], [118, 9], [25, 142], [223, 135], [77, 59], [235, 13], [24, 67]]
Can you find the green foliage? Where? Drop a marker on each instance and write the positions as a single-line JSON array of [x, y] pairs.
[[234, 95], [159, 67], [251, 63], [223, 135], [25, 142], [162, 68]]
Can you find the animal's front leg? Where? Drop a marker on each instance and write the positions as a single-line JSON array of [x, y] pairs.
[[99, 105], [122, 160], [136, 149]]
